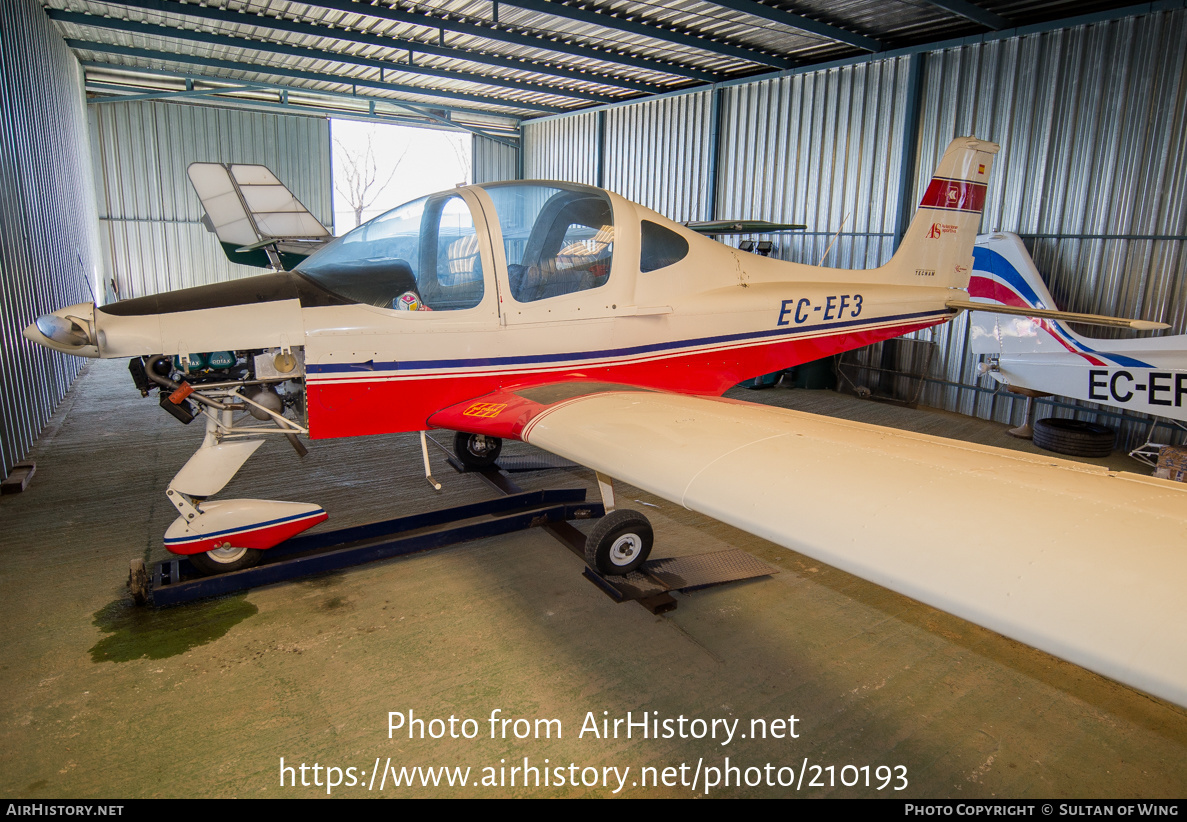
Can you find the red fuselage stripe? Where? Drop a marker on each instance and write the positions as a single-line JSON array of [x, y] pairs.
[[387, 406], [993, 290]]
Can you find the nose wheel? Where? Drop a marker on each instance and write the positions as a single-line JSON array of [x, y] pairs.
[[477, 451], [619, 543], [224, 559]]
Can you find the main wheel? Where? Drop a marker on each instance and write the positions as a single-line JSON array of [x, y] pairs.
[[1075, 438], [225, 559], [477, 451], [619, 543]]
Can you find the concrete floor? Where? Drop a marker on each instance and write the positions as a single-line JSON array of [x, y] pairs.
[[102, 699]]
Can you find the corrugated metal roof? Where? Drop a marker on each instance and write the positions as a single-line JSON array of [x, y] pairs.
[[514, 59]]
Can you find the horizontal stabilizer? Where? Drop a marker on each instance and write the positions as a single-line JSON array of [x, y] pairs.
[[1064, 316], [741, 227]]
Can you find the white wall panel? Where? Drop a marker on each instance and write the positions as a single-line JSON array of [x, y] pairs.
[[149, 213]]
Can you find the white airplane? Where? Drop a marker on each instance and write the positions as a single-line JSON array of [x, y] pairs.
[[572, 319], [1041, 355]]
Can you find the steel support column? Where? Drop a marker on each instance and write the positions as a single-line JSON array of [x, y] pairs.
[[910, 146]]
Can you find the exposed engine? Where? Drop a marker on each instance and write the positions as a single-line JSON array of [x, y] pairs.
[[267, 384]]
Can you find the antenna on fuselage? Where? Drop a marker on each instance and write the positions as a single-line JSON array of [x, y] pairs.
[[834, 240]]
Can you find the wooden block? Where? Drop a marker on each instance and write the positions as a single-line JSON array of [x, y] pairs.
[[18, 478]]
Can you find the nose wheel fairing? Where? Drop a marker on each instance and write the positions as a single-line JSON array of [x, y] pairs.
[[227, 535], [241, 523]]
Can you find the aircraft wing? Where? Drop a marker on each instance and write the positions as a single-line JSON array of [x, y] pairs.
[[251, 211], [1073, 559]]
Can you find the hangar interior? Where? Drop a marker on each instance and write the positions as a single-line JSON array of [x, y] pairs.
[[831, 115]]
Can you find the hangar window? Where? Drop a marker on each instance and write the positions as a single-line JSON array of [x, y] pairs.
[[660, 247], [559, 239], [420, 256]]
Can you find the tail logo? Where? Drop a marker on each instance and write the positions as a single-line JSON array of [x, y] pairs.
[[954, 195], [940, 229]]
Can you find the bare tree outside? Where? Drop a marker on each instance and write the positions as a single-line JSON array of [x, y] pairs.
[[464, 157], [378, 166], [359, 181]]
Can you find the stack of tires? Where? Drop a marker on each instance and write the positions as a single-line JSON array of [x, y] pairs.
[[1075, 438]]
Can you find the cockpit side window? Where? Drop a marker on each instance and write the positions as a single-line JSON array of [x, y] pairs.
[[558, 240], [660, 247], [422, 256]]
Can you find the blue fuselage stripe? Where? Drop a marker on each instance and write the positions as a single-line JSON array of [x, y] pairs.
[[609, 353]]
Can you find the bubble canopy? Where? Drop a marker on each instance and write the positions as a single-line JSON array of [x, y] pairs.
[[558, 239]]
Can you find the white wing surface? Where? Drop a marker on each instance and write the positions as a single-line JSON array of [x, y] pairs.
[[246, 206], [1081, 562]]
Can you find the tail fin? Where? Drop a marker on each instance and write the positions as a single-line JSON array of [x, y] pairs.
[[937, 249], [257, 219], [1005, 275], [1003, 272]]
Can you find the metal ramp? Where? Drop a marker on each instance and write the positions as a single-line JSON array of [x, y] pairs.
[[652, 584], [175, 581]]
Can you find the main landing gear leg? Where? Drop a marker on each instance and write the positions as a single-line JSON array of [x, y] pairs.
[[619, 542]]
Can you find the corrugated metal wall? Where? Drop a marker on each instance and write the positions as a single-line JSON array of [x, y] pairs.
[[822, 149], [494, 161], [149, 214], [562, 149], [1093, 169], [49, 248], [657, 154]]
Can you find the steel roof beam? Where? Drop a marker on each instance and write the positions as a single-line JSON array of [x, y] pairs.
[[973, 12], [140, 94], [280, 71], [216, 14], [488, 32], [319, 54], [651, 30], [800, 23], [288, 105], [283, 87]]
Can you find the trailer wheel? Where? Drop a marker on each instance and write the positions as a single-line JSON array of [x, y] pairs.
[[225, 559], [1075, 438], [619, 543], [477, 451]]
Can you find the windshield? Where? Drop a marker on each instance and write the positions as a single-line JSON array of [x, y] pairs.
[[421, 256]]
